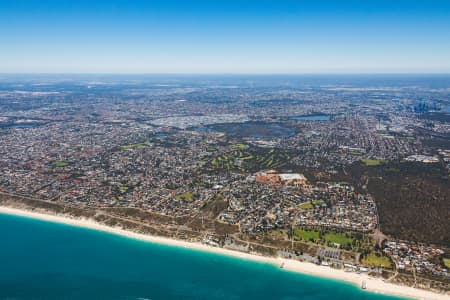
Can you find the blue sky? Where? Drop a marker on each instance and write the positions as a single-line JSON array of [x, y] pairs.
[[170, 36]]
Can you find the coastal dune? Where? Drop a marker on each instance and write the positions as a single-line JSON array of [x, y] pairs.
[[372, 284]]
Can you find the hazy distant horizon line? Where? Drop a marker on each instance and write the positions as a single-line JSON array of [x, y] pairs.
[[221, 73]]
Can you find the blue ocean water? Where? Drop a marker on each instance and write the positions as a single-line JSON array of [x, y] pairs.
[[44, 260]]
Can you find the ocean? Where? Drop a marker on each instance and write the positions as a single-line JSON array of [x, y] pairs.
[[45, 260]]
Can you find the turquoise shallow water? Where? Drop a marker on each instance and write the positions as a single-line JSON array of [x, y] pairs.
[[44, 260]]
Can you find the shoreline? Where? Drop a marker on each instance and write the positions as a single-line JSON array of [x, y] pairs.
[[374, 285]]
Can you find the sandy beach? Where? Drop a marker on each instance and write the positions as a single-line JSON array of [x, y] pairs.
[[373, 284]]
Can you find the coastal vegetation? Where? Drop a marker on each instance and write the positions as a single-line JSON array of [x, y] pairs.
[[405, 192]]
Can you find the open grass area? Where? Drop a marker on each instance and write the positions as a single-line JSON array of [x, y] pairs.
[[372, 162], [318, 202], [184, 196], [357, 151], [446, 262], [139, 145], [240, 146], [246, 159], [60, 163], [339, 238], [349, 241], [306, 205], [374, 260], [123, 188], [305, 235]]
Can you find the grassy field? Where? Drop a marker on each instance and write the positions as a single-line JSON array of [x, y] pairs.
[[60, 163], [374, 260], [305, 235], [123, 188], [184, 196], [240, 146], [318, 202], [139, 145], [447, 262], [339, 238], [306, 205], [349, 241], [248, 157], [245, 159], [356, 151], [372, 162]]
